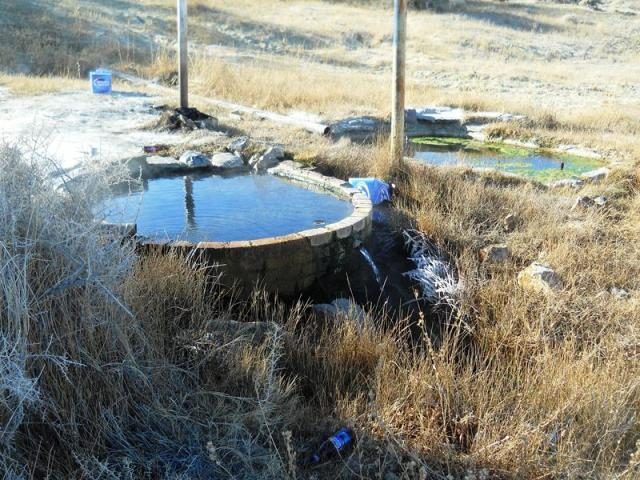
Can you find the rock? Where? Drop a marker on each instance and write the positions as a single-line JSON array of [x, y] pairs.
[[325, 309], [226, 161], [253, 161], [186, 122], [593, 4], [595, 175], [136, 165], [619, 293], [187, 119], [156, 165], [268, 159], [158, 160], [588, 202], [346, 306], [358, 128], [497, 253], [210, 123], [193, 159], [410, 115], [510, 223], [437, 121], [583, 202], [440, 114], [276, 152], [341, 307], [540, 278], [600, 201], [238, 145], [567, 183]]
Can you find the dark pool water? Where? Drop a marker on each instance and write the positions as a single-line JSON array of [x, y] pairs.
[[533, 165], [216, 208]]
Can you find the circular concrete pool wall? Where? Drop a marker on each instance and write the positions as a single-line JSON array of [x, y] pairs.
[[290, 263]]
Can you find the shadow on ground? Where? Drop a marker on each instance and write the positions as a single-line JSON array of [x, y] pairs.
[[514, 16]]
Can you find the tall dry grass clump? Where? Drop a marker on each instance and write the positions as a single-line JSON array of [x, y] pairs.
[[118, 367], [514, 384], [109, 367], [543, 385]]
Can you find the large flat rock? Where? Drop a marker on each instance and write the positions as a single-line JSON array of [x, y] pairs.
[[422, 121]]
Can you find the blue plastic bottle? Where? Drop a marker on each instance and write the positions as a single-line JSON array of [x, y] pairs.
[[334, 445]]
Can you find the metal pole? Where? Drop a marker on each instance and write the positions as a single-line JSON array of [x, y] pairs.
[[399, 61], [183, 54]]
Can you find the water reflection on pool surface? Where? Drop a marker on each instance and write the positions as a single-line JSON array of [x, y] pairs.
[[532, 164], [218, 208]]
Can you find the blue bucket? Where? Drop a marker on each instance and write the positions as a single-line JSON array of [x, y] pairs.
[[101, 81]]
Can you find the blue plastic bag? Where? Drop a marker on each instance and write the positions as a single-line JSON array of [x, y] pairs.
[[377, 190]]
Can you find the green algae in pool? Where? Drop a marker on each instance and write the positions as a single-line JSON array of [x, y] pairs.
[[215, 208], [530, 163]]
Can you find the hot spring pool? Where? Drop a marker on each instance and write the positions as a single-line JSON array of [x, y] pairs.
[[534, 164], [215, 208]]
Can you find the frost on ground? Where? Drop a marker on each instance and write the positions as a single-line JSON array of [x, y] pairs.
[[17, 389], [75, 128], [88, 372], [435, 276], [46, 250]]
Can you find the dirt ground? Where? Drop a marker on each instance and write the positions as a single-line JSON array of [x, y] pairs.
[[569, 68]]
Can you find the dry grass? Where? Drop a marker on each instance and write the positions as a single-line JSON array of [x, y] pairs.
[[578, 340], [524, 57], [526, 386], [23, 85], [107, 367], [291, 86], [523, 385], [515, 385], [43, 38]]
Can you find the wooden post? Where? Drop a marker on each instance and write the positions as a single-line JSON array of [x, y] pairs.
[[183, 54], [399, 61]]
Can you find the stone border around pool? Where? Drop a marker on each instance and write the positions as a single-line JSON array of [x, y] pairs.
[[291, 263]]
